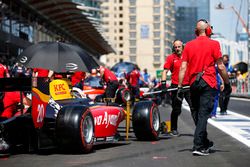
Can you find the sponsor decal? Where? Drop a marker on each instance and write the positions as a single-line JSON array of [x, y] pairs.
[[23, 59], [71, 66], [59, 89], [106, 119], [40, 110]]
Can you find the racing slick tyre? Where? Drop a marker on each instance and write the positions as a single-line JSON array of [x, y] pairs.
[[75, 129], [146, 121], [123, 95]]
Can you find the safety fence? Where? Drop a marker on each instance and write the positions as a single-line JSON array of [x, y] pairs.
[[239, 87]]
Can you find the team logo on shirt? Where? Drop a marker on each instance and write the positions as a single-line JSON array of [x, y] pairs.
[[23, 59], [71, 66]]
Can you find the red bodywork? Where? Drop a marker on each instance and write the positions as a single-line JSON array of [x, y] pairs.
[[107, 120]]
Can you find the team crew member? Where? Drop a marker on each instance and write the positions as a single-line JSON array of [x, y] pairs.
[[111, 80], [40, 72], [201, 55], [224, 97], [134, 77], [4, 71], [9, 103], [77, 79], [173, 62]]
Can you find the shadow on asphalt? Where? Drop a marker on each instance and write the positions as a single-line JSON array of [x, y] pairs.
[[188, 135]]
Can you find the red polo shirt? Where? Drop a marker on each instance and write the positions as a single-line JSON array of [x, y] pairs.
[[134, 77], [41, 72], [3, 71], [10, 101], [108, 75], [201, 55], [173, 63], [77, 77]]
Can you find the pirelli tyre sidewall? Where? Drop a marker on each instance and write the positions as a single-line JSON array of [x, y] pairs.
[[123, 95], [75, 129], [146, 121]]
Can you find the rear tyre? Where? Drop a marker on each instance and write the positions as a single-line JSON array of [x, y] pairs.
[[123, 95], [146, 121], [75, 129]]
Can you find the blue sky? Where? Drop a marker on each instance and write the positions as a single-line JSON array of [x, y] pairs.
[[225, 21]]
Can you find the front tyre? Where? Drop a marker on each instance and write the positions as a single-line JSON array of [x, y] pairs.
[[75, 129], [146, 121]]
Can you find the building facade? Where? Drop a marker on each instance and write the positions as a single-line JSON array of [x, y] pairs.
[[237, 51], [23, 23], [187, 13], [140, 31]]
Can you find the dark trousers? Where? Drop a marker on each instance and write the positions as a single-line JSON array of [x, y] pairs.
[[136, 91], [176, 106], [223, 102], [110, 91], [202, 97]]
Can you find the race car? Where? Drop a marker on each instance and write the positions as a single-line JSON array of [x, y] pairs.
[[58, 119], [94, 89]]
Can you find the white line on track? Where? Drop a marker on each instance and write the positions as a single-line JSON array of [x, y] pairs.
[[234, 124], [240, 99]]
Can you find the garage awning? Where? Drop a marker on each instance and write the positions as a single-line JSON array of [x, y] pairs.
[[65, 15]]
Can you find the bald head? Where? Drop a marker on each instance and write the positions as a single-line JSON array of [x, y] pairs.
[[201, 27]]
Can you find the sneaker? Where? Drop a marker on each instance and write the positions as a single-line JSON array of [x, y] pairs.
[[4, 147], [200, 152], [213, 116], [174, 133], [223, 113], [210, 146]]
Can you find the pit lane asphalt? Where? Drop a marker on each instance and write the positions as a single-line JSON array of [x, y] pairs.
[[169, 151]]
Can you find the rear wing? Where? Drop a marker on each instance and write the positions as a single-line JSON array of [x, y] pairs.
[[15, 84]]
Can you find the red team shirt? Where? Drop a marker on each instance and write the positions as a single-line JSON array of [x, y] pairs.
[[108, 75], [77, 77], [3, 71], [10, 100], [134, 78], [209, 52], [173, 63], [41, 72]]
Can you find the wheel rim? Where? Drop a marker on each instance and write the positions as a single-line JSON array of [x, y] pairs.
[[126, 96], [88, 129], [156, 120]]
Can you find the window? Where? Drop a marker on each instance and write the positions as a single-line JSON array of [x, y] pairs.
[[157, 50], [120, 45], [156, 2], [121, 52], [132, 26], [157, 34], [157, 10], [132, 34], [120, 30], [120, 15], [132, 2], [132, 18], [120, 23], [157, 42], [121, 38], [157, 58], [132, 50], [157, 18], [120, 8], [132, 42], [132, 58], [157, 25], [132, 10]]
